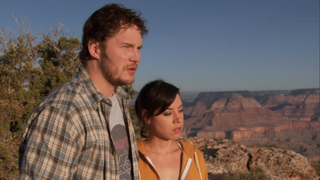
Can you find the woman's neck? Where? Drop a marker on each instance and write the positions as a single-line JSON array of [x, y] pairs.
[[160, 146]]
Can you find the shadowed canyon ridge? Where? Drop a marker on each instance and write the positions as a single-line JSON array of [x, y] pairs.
[[288, 119]]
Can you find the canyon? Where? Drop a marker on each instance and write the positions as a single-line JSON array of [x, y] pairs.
[[289, 119]]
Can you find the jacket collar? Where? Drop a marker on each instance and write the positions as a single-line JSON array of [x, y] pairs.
[[141, 147], [187, 147], [188, 151]]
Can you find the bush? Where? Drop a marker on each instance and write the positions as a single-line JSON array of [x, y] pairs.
[[316, 166], [8, 158], [257, 174], [232, 141]]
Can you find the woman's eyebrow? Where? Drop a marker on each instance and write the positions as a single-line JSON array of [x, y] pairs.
[[178, 107]]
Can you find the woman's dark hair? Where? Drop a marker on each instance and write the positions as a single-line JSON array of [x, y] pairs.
[[106, 22], [155, 97]]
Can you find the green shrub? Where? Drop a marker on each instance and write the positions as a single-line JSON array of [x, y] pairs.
[[257, 174], [316, 166], [232, 141]]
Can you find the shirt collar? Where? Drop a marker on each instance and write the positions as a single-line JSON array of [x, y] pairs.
[[94, 95]]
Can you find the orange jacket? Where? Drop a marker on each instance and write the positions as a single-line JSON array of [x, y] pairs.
[[193, 164]]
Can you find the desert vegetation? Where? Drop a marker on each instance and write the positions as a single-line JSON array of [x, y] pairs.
[[316, 166], [255, 174]]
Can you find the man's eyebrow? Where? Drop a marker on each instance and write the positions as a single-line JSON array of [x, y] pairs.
[[126, 43], [131, 45]]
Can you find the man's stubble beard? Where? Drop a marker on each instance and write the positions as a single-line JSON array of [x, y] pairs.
[[109, 71]]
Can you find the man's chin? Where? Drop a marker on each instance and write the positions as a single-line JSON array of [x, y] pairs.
[[129, 82], [125, 82]]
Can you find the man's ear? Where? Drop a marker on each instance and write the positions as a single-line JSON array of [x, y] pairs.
[[145, 117], [93, 48]]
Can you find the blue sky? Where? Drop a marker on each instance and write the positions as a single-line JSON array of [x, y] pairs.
[[208, 45]]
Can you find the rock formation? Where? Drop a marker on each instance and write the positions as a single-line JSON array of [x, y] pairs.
[[224, 156], [298, 105], [289, 118]]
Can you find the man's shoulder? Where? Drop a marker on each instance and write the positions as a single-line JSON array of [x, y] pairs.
[[68, 96], [67, 101]]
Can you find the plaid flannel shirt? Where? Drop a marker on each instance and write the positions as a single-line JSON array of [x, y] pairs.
[[67, 135]]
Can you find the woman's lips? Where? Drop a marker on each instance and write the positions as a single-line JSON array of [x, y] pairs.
[[177, 130]]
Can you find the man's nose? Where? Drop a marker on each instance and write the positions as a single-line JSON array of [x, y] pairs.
[[135, 56]]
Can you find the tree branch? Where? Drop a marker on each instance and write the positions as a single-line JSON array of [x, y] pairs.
[[27, 33]]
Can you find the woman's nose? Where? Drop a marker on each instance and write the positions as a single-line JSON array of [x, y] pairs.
[[178, 117]]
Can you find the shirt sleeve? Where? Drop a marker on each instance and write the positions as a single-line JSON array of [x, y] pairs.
[[49, 149]]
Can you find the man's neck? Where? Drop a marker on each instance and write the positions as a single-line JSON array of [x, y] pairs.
[[99, 81]]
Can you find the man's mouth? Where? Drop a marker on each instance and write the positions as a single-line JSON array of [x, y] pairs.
[[132, 69]]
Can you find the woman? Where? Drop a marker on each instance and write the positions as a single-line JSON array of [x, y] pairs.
[[162, 156]]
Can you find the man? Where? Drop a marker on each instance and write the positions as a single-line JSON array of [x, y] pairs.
[[83, 130]]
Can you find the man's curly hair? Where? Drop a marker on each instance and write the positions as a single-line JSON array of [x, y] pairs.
[[106, 22]]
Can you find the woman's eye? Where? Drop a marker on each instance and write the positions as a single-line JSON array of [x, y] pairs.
[[166, 113], [181, 110]]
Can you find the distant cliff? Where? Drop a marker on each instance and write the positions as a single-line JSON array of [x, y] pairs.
[[289, 118]]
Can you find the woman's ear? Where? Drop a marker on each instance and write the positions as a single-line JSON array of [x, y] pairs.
[[146, 119]]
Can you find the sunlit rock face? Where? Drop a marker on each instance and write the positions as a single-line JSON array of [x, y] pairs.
[[224, 156], [289, 118]]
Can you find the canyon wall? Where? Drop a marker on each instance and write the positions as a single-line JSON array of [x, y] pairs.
[[287, 118]]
